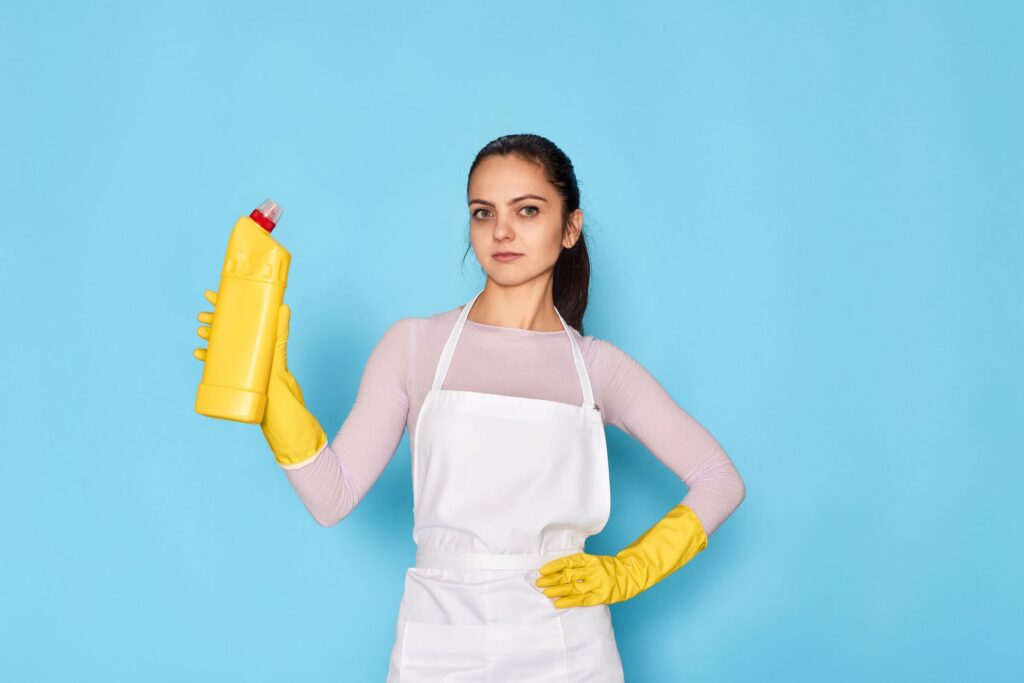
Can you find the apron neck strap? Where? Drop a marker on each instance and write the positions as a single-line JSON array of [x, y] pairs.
[[453, 338]]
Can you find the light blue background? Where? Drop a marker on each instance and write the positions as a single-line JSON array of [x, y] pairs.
[[805, 220]]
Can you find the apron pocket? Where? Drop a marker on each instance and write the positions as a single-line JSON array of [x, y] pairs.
[[484, 653]]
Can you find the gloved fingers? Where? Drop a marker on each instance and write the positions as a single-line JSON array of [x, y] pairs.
[[573, 588], [200, 354], [584, 585], [567, 575], [556, 565], [558, 591], [280, 363], [205, 316], [549, 580], [284, 317], [211, 296], [203, 331], [573, 601], [574, 591], [582, 600], [293, 386]]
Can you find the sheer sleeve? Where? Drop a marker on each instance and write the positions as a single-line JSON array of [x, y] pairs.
[[635, 402], [332, 482]]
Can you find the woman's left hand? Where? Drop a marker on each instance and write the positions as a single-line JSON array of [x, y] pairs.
[[583, 579]]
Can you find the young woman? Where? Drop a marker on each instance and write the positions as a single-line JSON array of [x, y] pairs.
[[506, 403]]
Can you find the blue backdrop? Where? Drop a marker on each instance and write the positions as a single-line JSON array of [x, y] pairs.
[[804, 220]]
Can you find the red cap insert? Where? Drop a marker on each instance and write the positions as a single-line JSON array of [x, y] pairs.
[[266, 215]]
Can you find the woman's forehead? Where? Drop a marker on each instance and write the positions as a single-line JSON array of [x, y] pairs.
[[507, 177]]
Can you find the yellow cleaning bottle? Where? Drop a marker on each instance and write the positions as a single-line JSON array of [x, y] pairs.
[[241, 338]]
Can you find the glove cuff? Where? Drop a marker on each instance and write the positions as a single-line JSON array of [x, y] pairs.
[[666, 546]]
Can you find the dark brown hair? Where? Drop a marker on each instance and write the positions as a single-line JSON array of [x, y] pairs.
[[572, 269]]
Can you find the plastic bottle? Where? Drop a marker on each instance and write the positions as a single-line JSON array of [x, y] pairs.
[[244, 329]]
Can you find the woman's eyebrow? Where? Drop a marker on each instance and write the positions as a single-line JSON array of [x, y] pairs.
[[511, 201]]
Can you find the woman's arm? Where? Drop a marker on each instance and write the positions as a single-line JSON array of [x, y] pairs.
[[635, 402], [333, 481]]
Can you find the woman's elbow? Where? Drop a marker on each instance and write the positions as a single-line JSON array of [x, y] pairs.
[[326, 522], [741, 491], [330, 518]]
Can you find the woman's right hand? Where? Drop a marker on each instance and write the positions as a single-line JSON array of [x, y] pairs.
[[205, 317], [293, 433]]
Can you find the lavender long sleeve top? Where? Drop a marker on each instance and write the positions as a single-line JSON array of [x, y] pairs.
[[515, 362]]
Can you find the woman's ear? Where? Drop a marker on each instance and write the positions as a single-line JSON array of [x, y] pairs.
[[575, 229]]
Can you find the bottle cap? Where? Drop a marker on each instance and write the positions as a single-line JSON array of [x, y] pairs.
[[267, 214]]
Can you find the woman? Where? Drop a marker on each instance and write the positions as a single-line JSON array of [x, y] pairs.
[[506, 402]]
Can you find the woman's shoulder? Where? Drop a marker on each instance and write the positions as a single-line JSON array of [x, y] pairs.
[[420, 323], [408, 329], [607, 359], [408, 337]]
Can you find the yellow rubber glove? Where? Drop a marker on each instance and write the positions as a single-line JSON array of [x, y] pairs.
[[291, 430], [584, 579]]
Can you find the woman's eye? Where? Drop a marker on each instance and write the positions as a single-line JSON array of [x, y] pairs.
[[533, 212]]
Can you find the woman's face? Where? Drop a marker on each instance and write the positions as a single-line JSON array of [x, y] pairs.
[[513, 208]]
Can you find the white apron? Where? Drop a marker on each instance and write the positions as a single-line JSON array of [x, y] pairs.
[[502, 485]]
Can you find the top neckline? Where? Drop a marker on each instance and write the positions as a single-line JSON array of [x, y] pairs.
[[514, 330], [460, 323]]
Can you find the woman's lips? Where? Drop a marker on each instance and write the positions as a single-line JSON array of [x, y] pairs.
[[506, 257]]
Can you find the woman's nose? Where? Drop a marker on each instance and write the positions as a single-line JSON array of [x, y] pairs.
[[503, 228]]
